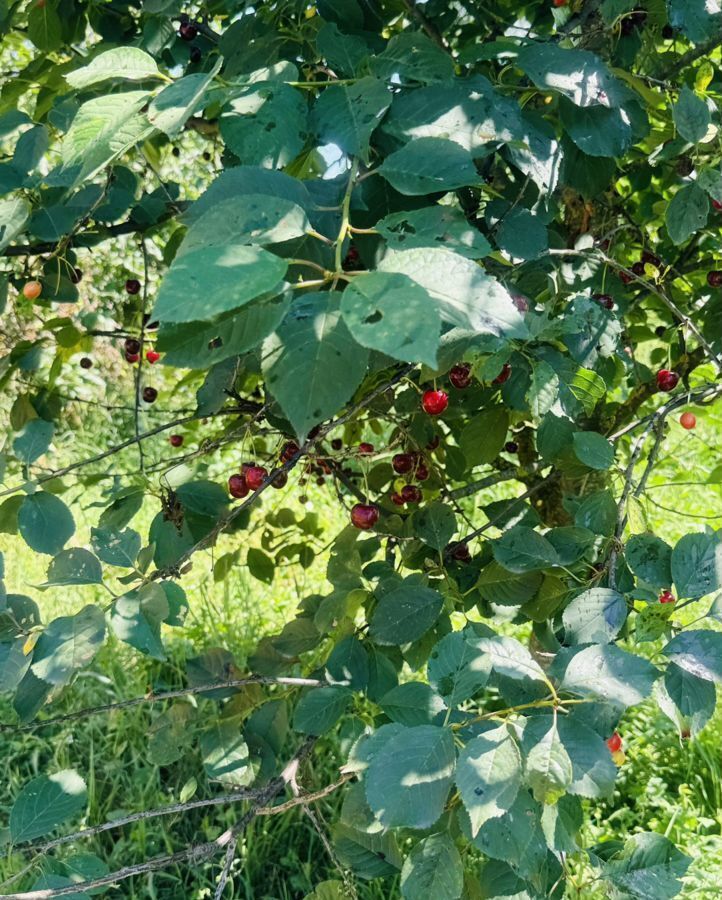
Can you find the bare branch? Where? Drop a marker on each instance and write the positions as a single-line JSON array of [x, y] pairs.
[[160, 696]]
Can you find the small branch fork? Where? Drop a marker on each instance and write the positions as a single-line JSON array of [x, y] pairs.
[[198, 853]]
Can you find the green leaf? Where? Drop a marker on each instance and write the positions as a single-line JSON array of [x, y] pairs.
[[484, 435], [435, 524], [595, 616], [648, 868], [464, 295], [67, 644], [260, 565], [46, 802], [686, 213], [14, 663], [412, 703], [698, 20], [593, 770], [598, 513], [121, 510], [688, 700], [32, 145], [116, 548], [137, 616], [593, 449], [543, 389], [488, 776], [521, 549], [225, 754], [588, 387], [34, 440], [427, 165], [45, 28], [102, 130], [343, 52], [691, 116], [368, 855], [346, 115], [650, 558], [577, 74], [517, 836], [510, 658], [171, 109], [433, 226], [698, 652], [311, 363], [610, 673], [14, 213], [547, 766], [210, 281], [74, 566], [348, 665], [199, 345], [697, 565], [561, 824], [433, 869], [266, 125], [389, 312], [597, 130], [408, 780], [521, 234], [171, 734], [412, 56], [456, 667], [129, 63], [319, 709], [45, 523], [248, 219], [405, 613]]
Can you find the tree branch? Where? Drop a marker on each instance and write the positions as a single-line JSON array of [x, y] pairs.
[[152, 697]]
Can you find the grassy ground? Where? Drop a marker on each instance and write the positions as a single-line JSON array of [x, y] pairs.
[[667, 785]]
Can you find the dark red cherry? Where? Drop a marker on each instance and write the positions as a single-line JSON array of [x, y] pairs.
[[434, 402], [255, 476], [364, 516], [402, 463], [667, 380], [150, 394], [132, 286], [460, 376], [238, 487]]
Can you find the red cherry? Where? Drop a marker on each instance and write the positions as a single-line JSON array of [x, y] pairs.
[[187, 32], [411, 494], [364, 515], [86, 362], [714, 278], [289, 450], [688, 420], [255, 476], [422, 472], [176, 440], [246, 466], [459, 551], [503, 375], [150, 394], [397, 499], [280, 481], [560, 3], [132, 286], [624, 277], [651, 258], [152, 356], [667, 380], [131, 345], [666, 597], [521, 302], [132, 357], [434, 402], [365, 449], [638, 268], [238, 487], [614, 742], [460, 376], [605, 300], [336, 444], [402, 463], [511, 447], [717, 205]]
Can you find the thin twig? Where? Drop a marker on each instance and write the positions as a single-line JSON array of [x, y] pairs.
[[139, 370], [152, 697]]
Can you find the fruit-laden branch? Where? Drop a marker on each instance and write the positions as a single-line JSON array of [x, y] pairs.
[[152, 697], [244, 407], [303, 451], [681, 317], [197, 853]]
